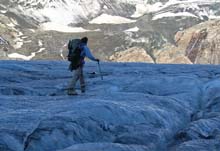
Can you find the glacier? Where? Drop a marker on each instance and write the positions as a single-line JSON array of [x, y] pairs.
[[137, 107]]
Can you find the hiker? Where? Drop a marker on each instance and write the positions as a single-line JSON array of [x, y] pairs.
[[84, 51]]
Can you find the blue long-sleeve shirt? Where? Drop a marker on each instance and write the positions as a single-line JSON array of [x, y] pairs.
[[86, 53]]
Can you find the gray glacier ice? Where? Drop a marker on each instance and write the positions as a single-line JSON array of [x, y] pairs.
[[137, 107]]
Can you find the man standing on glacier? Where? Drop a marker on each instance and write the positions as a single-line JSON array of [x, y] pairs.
[[80, 52]]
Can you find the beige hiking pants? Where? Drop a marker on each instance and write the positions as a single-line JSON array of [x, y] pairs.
[[77, 75]]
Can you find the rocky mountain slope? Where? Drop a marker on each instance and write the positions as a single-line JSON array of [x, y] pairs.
[[198, 44], [40, 29]]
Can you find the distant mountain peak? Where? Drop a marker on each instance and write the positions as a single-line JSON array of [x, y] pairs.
[[111, 25]]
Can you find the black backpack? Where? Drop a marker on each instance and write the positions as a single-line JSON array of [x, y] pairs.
[[74, 53]]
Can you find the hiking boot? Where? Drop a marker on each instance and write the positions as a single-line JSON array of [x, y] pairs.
[[83, 89], [72, 92]]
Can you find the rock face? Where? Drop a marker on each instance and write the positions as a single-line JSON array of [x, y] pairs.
[[138, 106], [170, 54], [198, 44], [4, 46], [205, 44], [132, 55]]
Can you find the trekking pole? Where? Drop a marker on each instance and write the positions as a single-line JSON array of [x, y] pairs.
[[100, 71]]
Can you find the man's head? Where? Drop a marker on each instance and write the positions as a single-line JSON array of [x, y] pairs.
[[84, 40]]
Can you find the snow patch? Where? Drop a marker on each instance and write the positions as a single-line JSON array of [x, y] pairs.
[[66, 12], [40, 50], [32, 30], [28, 41], [109, 19], [11, 25], [23, 57], [18, 43], [3, 11], [20, 56], [214, 17], [40, 43], [62, 51], [142, 9], [62, 28], [135, 29], [169, 14], [105, 7], [62, 12]]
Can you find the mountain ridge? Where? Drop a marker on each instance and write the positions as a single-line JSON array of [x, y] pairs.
[[108, 28]]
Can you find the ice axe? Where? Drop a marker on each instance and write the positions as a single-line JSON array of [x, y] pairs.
[[100, 71]]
